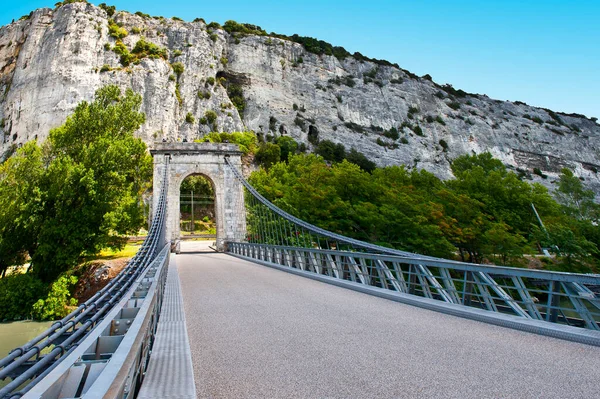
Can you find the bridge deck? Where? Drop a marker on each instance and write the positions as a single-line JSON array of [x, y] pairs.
[[257, 332]]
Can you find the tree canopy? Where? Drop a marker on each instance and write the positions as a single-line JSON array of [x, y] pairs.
[[483, 214], [80, 191]]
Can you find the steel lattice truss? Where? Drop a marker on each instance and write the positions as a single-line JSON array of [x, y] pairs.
[[274, 236]]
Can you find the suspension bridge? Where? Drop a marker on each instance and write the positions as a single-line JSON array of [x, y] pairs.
[[286, 309]]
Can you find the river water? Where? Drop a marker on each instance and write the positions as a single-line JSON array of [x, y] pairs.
[[17, 333]]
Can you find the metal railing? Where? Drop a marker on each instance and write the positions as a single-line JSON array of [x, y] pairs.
[[555, 297], [29, 364], [276, 237]]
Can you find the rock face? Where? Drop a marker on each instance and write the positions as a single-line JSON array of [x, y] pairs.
[[54, 59]]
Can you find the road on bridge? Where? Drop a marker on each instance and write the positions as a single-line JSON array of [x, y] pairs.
[[257, 332]]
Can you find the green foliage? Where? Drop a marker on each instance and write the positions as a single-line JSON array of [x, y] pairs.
[[268, 154], [58, 303], [331, 151], [110, 10], [320, 47], [538, 120], [247, 141], [135, 30], [236, 95], [144, 48], [115, 30], [177, 68], [200, 185], [244, 29], [189, 118], [177, 19], [81, 192], [105, 68], [143, 15], [360, 160], [444, 145], [213, 25], [288, 146], [178, 94], [418, 131], [211, 116], [213, 37], [204, 95], [392, 134], [454, 105], [65, 2], [483, 214], [210, 81], [176, 53], [18, 293]]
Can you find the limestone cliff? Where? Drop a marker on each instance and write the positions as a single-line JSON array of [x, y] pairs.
[[54, 59]]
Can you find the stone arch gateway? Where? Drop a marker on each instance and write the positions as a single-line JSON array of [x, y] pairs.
[[207, 159]]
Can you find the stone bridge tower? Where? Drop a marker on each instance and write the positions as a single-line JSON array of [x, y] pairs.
[[208, 160]]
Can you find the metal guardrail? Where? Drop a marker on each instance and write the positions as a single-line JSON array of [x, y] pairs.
[[29, 364], [274, 236], [112, 360], [563, 298]]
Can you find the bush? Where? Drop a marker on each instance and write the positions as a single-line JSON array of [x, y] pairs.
[[444, 145], [245, 29], [268, 154], [110, 10], [177, 68], [537, 119], [58, 303], [361, 161], [178, 94], [236, 95], [145, 48], [392, 134], [247, 141], [404, 140], [189, 118], [288, 146], [18, 293], [143, 15], [439, 120], [418, 131], [413, 110], [331, 151], [115, 30], [210, 81], [313, 135], [204, 95], [105, 68], [454, 105], [211, 116]]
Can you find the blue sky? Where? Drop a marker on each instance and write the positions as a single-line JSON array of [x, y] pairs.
[[545, 53]]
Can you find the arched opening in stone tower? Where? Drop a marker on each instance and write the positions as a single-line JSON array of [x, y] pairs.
[[197, 208]]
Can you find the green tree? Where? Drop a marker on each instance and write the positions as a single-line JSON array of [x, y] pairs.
[[268, 154], [288, 146], [81, 190]]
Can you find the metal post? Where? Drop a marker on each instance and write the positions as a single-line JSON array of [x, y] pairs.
[[193, 226]]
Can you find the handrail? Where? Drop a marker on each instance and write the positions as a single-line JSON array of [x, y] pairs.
[[29, 363]]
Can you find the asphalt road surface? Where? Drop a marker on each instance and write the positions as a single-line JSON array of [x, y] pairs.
[[256, 332]]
